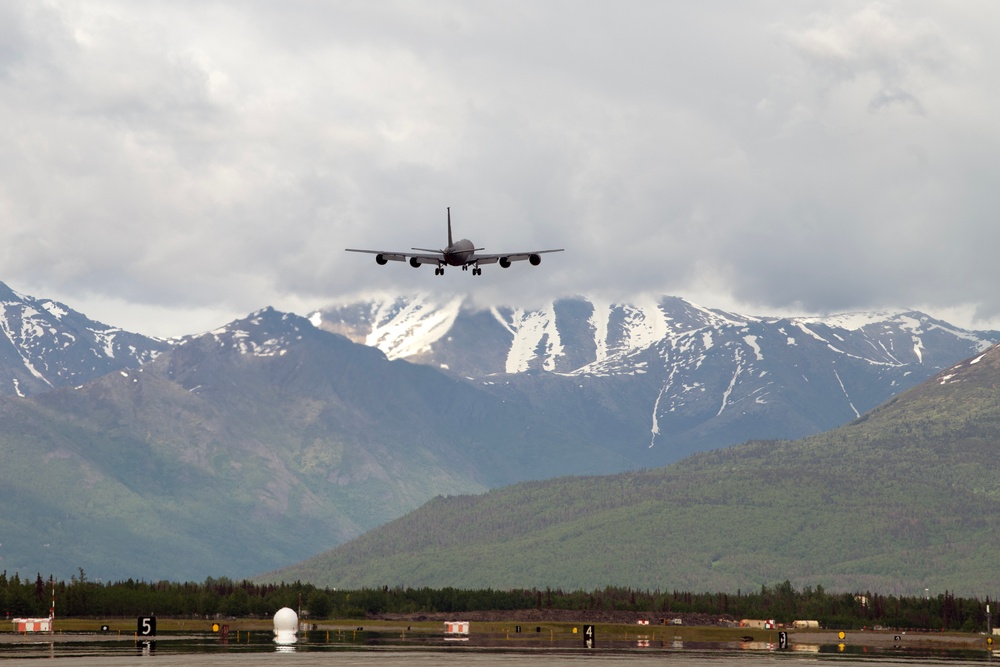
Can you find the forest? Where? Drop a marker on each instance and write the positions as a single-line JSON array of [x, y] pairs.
[[224, 598]]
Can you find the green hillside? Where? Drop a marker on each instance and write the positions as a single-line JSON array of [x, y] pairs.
[[903, 499], [247, 449]]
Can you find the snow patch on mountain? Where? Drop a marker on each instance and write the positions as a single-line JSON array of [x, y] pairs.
[[265, 333], [849, 321], [599, 321], [535, 334], [644, 324], [809, 332], [846, 395], [410, 329]]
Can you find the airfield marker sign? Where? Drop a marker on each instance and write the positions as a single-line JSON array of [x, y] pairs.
[[146, 626]]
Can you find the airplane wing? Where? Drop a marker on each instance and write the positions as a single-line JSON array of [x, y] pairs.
[[438, 258], [505, 258], [384, 256]]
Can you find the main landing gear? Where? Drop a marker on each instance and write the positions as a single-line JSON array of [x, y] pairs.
[[476, 271]]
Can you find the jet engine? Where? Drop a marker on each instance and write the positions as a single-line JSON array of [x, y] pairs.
[[381, 260], [535, 259], [505, 262], [414, 262]]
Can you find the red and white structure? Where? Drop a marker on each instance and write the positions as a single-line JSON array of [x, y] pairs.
[[24, 625], [456, 631], [32, 624]]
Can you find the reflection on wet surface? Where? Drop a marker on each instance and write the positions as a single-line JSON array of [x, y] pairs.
[[484, 649]]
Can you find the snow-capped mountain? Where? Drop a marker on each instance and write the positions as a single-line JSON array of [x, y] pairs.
[[293, 431], [46, 344], [252, 446], [669, 375]]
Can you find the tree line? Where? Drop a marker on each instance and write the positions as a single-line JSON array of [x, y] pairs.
[[225, 598]]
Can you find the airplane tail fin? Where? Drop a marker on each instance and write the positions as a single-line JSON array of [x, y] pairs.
[[449, 227]]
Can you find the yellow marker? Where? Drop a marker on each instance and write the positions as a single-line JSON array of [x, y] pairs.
[[841, 635]]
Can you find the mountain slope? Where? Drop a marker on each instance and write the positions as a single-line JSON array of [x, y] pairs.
[[662, 379], [903, 499], [45, 345], [249, 447]]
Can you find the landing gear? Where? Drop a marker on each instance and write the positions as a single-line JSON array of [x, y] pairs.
[[476, 271], [439, 271]]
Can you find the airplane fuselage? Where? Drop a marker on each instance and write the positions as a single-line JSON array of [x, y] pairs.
[[459, 253]]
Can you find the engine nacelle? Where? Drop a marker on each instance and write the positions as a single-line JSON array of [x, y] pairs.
[[381, 260], [505, 262], [414, 262], [535, 259]]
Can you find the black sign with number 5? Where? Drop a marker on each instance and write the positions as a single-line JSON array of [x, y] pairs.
[[146, 626]]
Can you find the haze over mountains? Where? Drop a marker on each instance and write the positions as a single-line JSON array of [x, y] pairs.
[[249, 447], [269, 440], [902, 501], [666, 378]]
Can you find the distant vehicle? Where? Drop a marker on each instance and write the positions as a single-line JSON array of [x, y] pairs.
[[461, 253]]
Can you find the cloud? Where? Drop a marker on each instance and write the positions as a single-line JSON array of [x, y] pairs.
[[188, 157]]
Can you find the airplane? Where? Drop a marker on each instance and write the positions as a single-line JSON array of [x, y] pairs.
[[461, 253]]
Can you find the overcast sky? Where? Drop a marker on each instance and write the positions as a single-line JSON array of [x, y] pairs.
[[169, 166]]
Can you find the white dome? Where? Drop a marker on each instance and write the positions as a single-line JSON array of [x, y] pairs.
[[286, 620]]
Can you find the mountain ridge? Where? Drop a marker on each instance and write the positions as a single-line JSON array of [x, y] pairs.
[[46, 344], [251, 446], [267, 440], [667, 375], [903, 499]]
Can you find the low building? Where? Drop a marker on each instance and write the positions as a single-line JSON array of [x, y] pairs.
[[805, 625], [758, 624], [32, 624], [456, 630]]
